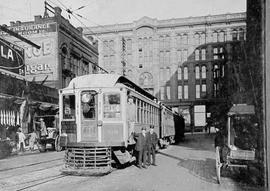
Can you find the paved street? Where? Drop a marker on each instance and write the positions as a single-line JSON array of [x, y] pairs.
[[187, 166]]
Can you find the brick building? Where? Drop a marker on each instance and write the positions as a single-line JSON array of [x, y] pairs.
[[180, 61], [64, 54]]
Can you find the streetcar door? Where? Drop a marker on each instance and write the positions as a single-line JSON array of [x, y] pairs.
[[89, 129]]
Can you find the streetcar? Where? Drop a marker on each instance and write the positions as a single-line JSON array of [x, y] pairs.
[[239, 145], [94, 126]]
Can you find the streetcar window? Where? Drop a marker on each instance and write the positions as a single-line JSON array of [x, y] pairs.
[[68, 106], [88, 101], [112, 105]]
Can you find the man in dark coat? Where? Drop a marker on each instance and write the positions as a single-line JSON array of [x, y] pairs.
[[152, 140], [141, 147]]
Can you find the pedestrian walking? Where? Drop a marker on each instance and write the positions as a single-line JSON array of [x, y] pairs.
[[152, 140], [21, 139], [141, 148]]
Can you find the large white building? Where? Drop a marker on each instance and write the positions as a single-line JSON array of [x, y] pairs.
[[172, 59]]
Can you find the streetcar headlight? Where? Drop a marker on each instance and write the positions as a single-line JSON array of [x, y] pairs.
[[86, 97]]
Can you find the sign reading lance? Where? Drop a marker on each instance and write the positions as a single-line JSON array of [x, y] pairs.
[[11, 57]]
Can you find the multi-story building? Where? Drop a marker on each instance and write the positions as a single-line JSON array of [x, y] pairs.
[[64, 52], [176, 59]]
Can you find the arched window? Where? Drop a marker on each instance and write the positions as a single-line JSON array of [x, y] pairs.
[[185, 39], [185, 73], [179, 73], [185, 55], [203, 51], [234, 35], [197, 72], [203, 38], [197, 39], [197, 54], [146, 79], [203, 72]]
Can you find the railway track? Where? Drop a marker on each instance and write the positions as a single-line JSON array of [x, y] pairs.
[[40, 182], [32, 164]]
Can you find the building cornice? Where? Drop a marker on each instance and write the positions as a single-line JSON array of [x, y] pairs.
[[168, 23]]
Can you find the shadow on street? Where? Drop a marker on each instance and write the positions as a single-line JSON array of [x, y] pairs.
[[203, 169]]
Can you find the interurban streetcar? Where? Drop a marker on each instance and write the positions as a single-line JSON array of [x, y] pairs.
[[94, 120]]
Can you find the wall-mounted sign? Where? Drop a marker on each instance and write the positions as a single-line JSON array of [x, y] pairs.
[[31, 29], [11, 57]]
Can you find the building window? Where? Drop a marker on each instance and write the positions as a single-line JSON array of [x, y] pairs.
[[203, 54], [223, 71], [198, 91], [168, 74], [197, 39], [178, 40], [216, 71], [167, 42], [215, 53], [167, 57], [179, 73], [129, 45], [221, 36], [241, 34], [185, 39], [197, 54], [161, 57], [215, 36], [185, 73], [203, 90], [186, 92], [178, 56], [215, 90], [221, 51], [162, 71], [168, 91], [185, 55], [180, 93], [203, 38], [162, 91], [234, 35], [197, 72], [203, 72]]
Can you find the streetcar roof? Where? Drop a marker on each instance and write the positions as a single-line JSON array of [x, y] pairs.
[[104, 81]]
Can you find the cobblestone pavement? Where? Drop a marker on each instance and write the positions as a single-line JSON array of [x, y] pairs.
[[187, 166]]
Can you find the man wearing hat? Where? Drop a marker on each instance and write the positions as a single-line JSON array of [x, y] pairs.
[[141, 147], [151, 145]]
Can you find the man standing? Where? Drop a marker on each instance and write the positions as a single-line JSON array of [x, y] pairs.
[[141, 147], [151, 145], [131, 109]]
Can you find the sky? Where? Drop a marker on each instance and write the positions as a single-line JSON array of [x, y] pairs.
[[103, 12]]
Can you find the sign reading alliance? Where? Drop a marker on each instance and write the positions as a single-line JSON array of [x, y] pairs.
[[11, 57]]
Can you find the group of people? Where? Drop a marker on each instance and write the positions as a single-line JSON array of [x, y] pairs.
[[146, 147], [31, 137]]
